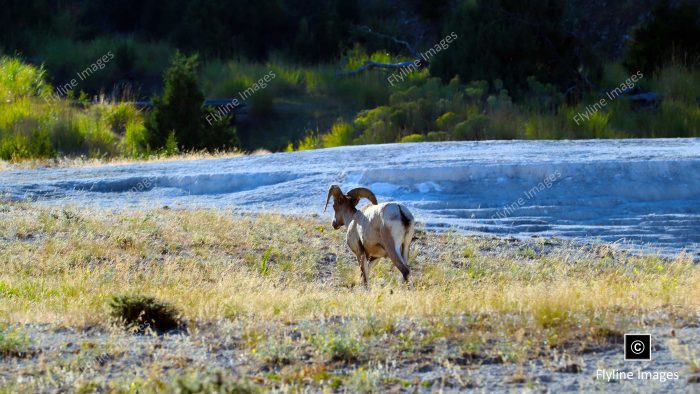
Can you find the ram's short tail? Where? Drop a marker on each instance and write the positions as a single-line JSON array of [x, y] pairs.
[[406, 217]]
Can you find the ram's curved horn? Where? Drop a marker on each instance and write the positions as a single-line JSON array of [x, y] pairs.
[[335, 192], [360, 192]]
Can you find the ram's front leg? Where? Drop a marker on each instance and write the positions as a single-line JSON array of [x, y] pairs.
[[364, 268], [355, 244]]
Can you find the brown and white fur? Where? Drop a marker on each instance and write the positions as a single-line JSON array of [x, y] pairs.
[[375, 230]]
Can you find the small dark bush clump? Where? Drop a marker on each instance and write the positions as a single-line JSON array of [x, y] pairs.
[[143, 313]]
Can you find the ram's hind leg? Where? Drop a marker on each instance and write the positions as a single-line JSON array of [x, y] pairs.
[[404, 253], [393, 251], [406, 244]]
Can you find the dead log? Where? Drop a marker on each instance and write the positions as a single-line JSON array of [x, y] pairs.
[[418, 61]]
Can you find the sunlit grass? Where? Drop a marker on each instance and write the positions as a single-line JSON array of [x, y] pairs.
[[286, 294], [62, 265]]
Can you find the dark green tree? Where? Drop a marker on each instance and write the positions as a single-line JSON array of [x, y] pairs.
[[179, 111], [671, 35]]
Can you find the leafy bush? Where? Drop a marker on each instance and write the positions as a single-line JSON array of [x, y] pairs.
[[276, 352], [142, 313], [311, 141], [341, 134], [135, 140], [18, 79], [446, 120], [17, 147], [436, 136], [342, 346], [474, 128], [13, 341], [119, 115], [170, 148], [413, 138]]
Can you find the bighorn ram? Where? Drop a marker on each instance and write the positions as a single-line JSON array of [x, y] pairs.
[[374, 231]]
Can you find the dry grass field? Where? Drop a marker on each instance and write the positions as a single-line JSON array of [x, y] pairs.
[[269, 302]]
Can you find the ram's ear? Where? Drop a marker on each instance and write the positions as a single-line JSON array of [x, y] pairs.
[[361, 192]]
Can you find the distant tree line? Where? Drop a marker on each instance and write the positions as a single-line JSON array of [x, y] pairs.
[[510, 40], [309, 30]]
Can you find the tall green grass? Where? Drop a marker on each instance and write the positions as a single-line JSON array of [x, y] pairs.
[[35, 125]]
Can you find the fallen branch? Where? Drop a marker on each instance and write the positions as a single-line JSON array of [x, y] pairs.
[[370, 64], [411, 50], [418, 62]]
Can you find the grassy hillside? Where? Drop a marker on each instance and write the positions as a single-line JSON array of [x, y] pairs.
[[308, 107]]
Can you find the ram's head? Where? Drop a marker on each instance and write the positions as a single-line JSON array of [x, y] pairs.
[[344, 204]]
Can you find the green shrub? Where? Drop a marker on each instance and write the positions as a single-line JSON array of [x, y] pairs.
[[376, 125], [413, 138], [119, 115], [676, 119], [474, 128], [446, 121], [18, 79], [135, 140], [13, 341], [341, 134], [276, 352], [311, 141], [142, 313], [171, 147], [342, 346], [20, 146], [99, 139], [435, 136], [66, 136]]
